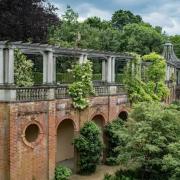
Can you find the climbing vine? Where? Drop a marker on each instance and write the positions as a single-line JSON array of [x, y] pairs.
[[155, 76], [82, 87], [144, 78], [23, 69]]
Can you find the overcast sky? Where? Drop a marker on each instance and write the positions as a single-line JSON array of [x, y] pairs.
[[165, 13]]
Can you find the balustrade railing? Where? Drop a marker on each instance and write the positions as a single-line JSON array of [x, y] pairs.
[[31, 94], [60, 91], [101, 90]]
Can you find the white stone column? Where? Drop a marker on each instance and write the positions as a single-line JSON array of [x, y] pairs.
[[108, 68], [81, 59], [103, 70], [48, 67], [9, 66], [113, 69], [85, 57], [54, 69], [1, 67], [45, 67], [7, 74]]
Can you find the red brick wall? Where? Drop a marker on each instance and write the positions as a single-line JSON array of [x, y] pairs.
[[4, 141], [37, 161]]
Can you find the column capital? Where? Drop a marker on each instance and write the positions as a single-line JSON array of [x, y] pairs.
[[83, 58]]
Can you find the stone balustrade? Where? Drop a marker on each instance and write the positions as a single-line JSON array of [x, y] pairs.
[[39, 93]]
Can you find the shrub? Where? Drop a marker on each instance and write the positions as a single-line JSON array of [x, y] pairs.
[[115, 137], [123, 175], [62, 173], [89, 147]]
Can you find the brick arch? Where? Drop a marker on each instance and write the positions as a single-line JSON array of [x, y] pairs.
[[101, 115], [123, 114], [75, 123], [65, 132], [100, 121]]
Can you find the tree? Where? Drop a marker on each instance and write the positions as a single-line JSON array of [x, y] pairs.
[[176, 42], [65, 34], [26, 20], [23, 70], [152, 142], [141, 38], [96, 22], [121, 18]]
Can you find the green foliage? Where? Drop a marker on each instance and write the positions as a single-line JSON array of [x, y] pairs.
[[92, 33], [142, 39], [23, 70], [82, 86], [62, 77], [155, 75], [115, 138], [126, 174], [89, 146], [96, 22], [121, 18], [153, 142], [151, 86], [37, 78], [66, 33], [126, 32], [62, 173], [136, 88], [176, 42], [171, 161]]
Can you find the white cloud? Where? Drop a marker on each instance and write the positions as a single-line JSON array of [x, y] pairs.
[[87, 10], [175, 29], [169, 24], [166, 16], [164, 13], [158, 19], [61, 8]]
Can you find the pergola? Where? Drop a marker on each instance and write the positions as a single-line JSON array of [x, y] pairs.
[[173, 63], [50, 89], [50, 53]]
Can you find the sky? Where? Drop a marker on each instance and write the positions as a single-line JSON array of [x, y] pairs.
[[164, 13]]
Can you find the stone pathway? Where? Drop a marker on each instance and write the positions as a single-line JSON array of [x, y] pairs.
[[99, 175]]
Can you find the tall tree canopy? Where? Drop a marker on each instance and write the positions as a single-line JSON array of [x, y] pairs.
[[28, 20], [121, 18], [94, 33], [141, 38]]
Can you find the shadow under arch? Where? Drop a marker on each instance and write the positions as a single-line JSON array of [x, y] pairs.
[[123, 115], [99, 120], [64, 143]]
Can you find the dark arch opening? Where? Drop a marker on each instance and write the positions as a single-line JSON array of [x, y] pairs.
[[65, 147], [123, 115], [100, 122]]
